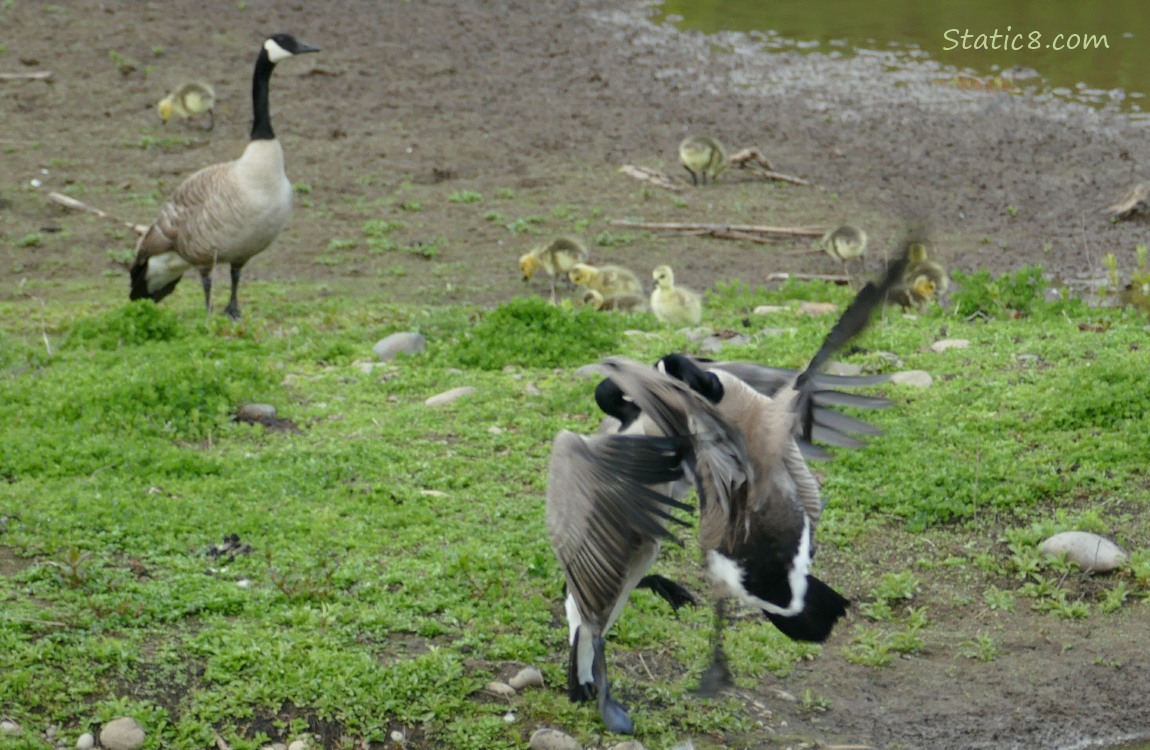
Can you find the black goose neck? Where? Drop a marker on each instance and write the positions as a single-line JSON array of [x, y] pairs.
[[261, 117]]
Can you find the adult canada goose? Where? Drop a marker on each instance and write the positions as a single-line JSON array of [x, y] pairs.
[[674, 304], [187, 101], [702, 156], [607, 280], [623, 302], [225, 213], [758, 502], [556, 258], [844, 243]]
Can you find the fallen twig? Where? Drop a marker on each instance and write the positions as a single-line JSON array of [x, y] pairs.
[[786, 276], [752, 158], [40, 75], [652, 176], [752, 229], [75, 205], [221, 743]]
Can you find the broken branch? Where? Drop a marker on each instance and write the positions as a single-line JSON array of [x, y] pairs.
[[75, 205], [713, 228], [652, 176], [40, 75]]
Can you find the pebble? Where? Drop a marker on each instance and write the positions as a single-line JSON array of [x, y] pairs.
[[1027, 359], [499, 689], [255, 412], [9, 728], [842, 368], [494, 430], [941, 346], [711, 345], [526, 677], [448, 396], [553, 739], [629, 745], [1091, 552], [917, 378], [397, 736], [275, 746], [509, 717], [298, 745], [366, 367], [814, 309], [769, 309], [641, 334], [695, 335], [532, 390], [85, 741], [122, 733], [399, 343], [890, 358]]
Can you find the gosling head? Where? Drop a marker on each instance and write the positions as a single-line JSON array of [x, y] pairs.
[[581, 273], [916, 252], [165, 108], [593, 299], [528, 264], [664, 277], [923, 287], [282, 46]]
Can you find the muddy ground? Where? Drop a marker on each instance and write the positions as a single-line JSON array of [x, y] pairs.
[[534, 106]]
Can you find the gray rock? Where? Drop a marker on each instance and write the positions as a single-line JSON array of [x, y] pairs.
[[553, 739], [85, 741], [916, 378], [9, 728], [1027, 359], [526, 677], [842, 368], [298, 745], [711, 345], [123, 733], [1091, 552], [399, 343], [769, 309], [890, 358], [448, 396], [695, 335], [629, 745], [255, 412], [941, 346]]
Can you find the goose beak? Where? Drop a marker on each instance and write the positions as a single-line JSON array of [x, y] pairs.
[[302, 48]]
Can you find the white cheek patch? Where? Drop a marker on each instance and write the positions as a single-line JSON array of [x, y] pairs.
[[275, 52]]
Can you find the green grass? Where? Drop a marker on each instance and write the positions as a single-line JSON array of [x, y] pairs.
[[399, 559]]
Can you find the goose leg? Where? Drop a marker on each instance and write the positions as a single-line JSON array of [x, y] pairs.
[[206, 281], [211, 119], [694, 177], [553, 290], [718, 675], [233, 308], [578, 691], [613, 714]]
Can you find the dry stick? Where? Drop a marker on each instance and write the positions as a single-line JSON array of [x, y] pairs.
[[40, 75], [75, 205], [785, 276], [750, 228], [730, 235], [658, 179], [221, 743], [780, 177]]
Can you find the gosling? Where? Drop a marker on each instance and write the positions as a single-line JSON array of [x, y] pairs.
[[607, 280], [625, 302], [844, 243], [672, 304], [556, 258], [188, 101], [703, 157]]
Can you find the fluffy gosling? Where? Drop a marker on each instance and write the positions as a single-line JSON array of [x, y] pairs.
[[607, 280], [625, 302], [188, 101], [844, 243], [674, 304], [556, 258], [702, 156]]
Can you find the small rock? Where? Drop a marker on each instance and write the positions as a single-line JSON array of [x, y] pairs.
[[942, 346], [433, 493], [499, 689], [509, 717], [917, 378], [298, 745], [711, 345], [9, 728], [494, 430], [526, 677], [1027, 359], [255, 413], [275, 746], [397, 736], [814, 309], [532, 389], [641, 334], [399, 343], [774, 331], [85, 741], [244, 583], [553, 739], [122, 733], [448, 396], [366, 367], [1091, 552], [890, 358], [842, 368], [629, 745], [695, 335], [769, 309]]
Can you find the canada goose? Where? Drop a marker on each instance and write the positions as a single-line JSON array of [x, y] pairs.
[[607, 280], [758, 502], [225, 213], [187, 101], [674, 304], [556, 258], [703, 157], [844, 243], [624, 302]]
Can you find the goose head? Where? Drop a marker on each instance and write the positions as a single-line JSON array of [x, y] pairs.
[[703, 382], [923, 287], [528, 264], [282, 46], [612, 402]]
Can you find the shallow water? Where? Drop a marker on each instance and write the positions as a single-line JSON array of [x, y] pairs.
[[1114, 71]]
